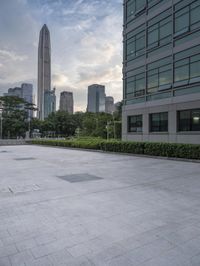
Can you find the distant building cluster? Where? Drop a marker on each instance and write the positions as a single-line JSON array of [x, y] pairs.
[[67, 102], [25, 92], [98, 101]]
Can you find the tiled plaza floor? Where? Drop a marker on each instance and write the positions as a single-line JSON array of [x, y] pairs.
[[69, 207]]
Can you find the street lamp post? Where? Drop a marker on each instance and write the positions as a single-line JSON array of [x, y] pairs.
[[29, 127], [1, 127], [107, 128], [1, 117]]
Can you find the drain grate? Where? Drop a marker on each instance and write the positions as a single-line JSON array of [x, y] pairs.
[[80, 178], [24, 159]]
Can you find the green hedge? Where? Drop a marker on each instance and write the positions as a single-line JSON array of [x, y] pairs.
[[188, 151]]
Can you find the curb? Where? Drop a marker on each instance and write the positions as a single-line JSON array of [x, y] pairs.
[[123, 153]]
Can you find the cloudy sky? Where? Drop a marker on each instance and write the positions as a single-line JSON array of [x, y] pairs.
[[86, 41]]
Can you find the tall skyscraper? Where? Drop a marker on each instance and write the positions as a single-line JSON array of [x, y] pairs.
[[67, 102], [44, 73], [96, 98], [109, 105], [161, 71]]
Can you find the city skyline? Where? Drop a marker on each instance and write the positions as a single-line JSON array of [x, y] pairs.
[[86, 45]]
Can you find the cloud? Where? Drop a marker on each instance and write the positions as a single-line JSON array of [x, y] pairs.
[[11, 55], [60, 80], [86, 42]]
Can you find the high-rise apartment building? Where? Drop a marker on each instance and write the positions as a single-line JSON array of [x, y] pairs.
[[67, 102], [44, 73], [109, 105], [17, 92], [96, 98], [49, 102], [25, 92], [27, 95], [161, 71]]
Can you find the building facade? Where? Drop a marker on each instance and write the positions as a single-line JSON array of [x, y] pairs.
[[161, 71], [67, 102], [109, 105], [25, 92], [27, 95], [96, 98], [49, 102], [17, 92], [44, 73]]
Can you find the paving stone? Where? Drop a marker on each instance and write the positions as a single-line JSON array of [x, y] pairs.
[[21, 258], [5, 261], [143, 211], [8, 250]]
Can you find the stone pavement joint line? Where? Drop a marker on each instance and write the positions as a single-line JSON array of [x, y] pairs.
[[115, 210]]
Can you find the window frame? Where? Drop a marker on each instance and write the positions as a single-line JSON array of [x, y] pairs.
[[191, 26], [136, 11], [158, 27], [165, 130], [191, 61], [139, 34], [139, 119], [156, 71], [190, 122]]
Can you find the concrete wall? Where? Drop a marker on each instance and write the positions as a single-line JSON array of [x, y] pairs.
[[5, 142], [171, 105]]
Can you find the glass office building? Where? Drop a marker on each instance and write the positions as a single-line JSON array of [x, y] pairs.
[[161, 71]]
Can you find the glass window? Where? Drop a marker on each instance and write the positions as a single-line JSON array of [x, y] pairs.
[[165, 77], [130, 49], [158, 122], [153, 36], [181, 70], [187, 18], [152, 3], [140, 4], [160, 29], [134, 6], [160, 75], [194, 15], [130, 85], [153, 79], [135, 123], [189, 120], [182, 20], [195, 66], [140, 44], [135, 45], [130, 8], [140, 85], [135, 86], [187, 69]]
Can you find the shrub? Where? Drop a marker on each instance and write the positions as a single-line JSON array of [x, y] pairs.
[[188, 151]]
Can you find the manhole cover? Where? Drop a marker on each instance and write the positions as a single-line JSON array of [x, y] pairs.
[[79, 178], [24, 159]]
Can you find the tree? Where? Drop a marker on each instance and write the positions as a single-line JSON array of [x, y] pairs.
[[15, 116], [62, 123]]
